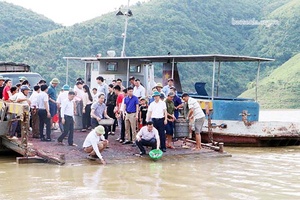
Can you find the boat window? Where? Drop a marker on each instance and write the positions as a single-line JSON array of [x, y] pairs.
[[135, 69], [95, 67], [111, 66]]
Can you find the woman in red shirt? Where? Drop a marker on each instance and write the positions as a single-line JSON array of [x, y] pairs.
[[6, 91]]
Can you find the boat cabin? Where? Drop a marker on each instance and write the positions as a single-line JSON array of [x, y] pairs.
[[142, 67]]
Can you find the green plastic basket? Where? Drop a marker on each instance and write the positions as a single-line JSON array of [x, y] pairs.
[[155, 154]]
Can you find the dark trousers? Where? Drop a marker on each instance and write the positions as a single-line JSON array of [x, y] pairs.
[[86, 117], [44, 120], [95, 124], [61, 126], [160, 126], [121, 123], [68, 130], [110, 113], [149, 143]]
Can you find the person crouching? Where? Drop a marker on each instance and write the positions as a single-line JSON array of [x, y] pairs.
[[95, 143], [147, 136]]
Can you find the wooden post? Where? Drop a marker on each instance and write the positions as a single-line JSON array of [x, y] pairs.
[[25, 129]]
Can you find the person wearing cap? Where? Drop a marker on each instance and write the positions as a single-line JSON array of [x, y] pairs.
[[95, 143], [171, 118], [44, 113], [131, 81], [1, 86], [34, 111], [22, 96], [61, 97], [159, 89], [6, 91], [166, 88], [157, 112], [52, 97], [147, 136], [197, 115], [131, 108], [22, 79], [177, 102], [139, 90], [102, 86], [67, 119]]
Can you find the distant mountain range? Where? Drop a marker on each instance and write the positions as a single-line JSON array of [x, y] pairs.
[[267, 28], [19, 23]]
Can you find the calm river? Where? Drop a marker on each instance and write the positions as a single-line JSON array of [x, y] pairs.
[[251, 173]]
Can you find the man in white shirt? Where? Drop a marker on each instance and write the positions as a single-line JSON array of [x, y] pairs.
[[34, 111], [147, 136], [67, 119], [61, 97], [157, 111], [95, 143], [139, 90], [22, 96], [197, 115], [44, 113]]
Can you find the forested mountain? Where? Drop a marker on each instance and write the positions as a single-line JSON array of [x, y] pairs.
[[18, 22], [282, 88], [177, 26]]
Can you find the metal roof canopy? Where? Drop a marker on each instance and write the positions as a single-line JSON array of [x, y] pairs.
[[189, 58], [185, 58]]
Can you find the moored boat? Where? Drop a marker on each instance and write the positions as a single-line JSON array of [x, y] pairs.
[[240, 115]]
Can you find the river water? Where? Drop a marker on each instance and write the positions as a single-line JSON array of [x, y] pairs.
[[251, 173]]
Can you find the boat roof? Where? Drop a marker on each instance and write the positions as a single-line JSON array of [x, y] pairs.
[[183, 58]]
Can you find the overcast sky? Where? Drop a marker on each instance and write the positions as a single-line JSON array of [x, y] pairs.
[[69, 12]]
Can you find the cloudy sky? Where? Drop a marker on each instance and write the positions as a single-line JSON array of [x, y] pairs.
[[69, 12]]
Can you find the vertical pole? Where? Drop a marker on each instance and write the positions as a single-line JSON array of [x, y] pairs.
[[173, 65], [125, 32], [128, 66], [257, 78], [213, 80], [67, 71], [218, 84]]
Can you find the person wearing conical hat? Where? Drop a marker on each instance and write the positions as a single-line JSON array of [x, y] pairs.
[[159, 88], [95, 143]]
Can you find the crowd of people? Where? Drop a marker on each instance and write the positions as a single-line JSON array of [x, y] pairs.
[[143, 120]]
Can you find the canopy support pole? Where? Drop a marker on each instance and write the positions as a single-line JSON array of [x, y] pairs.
[[213, 80], [218, 84], [128, 66], [257, 78], [173, 65]]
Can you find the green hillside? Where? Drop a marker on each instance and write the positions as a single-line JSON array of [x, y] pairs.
[[279, 41], [17, 22], [282, 88], [161, 26]]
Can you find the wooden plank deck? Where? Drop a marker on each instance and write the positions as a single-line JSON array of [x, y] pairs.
[[52, 152]]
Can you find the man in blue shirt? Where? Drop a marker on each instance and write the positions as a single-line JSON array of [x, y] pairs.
[[131, 107], [177, 102], [52, 97]]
